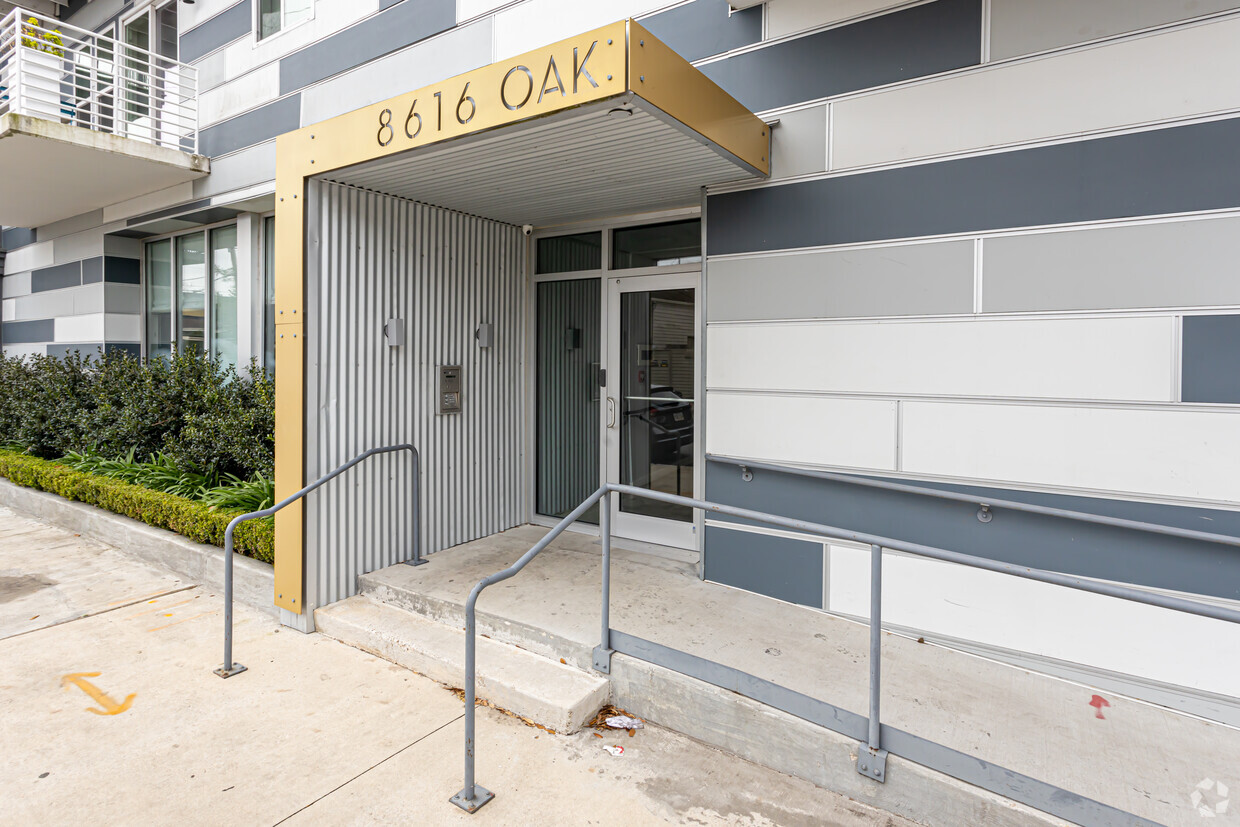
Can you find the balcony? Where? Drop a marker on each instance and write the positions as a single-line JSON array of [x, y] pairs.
[[86, 121]]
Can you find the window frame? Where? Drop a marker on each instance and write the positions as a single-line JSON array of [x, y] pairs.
[[209, 289], [259, 38]]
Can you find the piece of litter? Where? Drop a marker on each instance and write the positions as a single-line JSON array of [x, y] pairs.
[[597, 735], [624, 722], [613, 749]]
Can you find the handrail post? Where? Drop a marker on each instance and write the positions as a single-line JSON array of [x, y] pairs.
[[415, 505], [603, 652], [229, 668], [872, 759], [472, 796]]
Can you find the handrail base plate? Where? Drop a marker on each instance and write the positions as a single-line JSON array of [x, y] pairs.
[[481, 797], [420, 562], [228, 672], [872, 763]]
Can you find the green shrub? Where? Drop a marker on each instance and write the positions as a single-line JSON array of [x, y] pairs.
[[202, 415], [244, 495], [157, 473], [194, 520]]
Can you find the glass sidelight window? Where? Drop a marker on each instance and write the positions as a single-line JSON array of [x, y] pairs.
[[191, 294], [657, 245]]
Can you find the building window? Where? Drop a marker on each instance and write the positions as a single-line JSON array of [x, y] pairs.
[[191, 294], [657, 245], [278, 15], [570, 253]]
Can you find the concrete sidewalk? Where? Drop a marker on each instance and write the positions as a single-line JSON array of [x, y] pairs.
[[109, 714]]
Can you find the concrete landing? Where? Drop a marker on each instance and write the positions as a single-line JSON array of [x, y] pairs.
[[547, 692], [1129, 755]]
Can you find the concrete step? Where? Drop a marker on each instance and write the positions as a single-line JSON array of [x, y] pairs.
[[550, 693]]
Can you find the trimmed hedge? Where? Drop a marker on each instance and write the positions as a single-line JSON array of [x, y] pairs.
[[254, 538]]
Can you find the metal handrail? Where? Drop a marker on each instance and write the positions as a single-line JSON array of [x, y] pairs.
[[986, 503], [873, 762], [230, 668]]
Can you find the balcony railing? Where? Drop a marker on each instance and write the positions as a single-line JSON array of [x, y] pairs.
[[61, 73]]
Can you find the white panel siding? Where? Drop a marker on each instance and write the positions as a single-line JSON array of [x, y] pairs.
[[1112, 359], [87, 328], [788, 16], [8, 310], [1049, 621], [1176, 454], [30, 257], [853, 433], [371, 258], [535, 23], [1170, 75], [122, 327], [240, 95]]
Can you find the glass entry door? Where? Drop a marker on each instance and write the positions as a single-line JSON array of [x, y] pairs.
[[652, 391]]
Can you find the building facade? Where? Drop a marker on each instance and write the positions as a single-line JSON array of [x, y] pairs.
[[982, 246]]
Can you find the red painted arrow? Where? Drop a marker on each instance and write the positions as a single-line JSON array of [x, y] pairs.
[[1098, 702]]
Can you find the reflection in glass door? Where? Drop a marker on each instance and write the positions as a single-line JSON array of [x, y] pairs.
[[653, 333]]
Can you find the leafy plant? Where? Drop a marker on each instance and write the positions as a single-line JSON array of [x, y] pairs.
[[35, 36], [236, 494]]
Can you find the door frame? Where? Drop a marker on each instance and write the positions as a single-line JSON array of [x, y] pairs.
[[660, 531], [604, 273]]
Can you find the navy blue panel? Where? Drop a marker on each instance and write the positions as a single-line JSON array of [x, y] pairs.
[[54, 278], [1180, 169], [704, 27], [225, 27], [924, 40], [1211, 359], [775, 566], [253, 127], [391, 29], [35, 330], [15, 237], [1024, 539], [92, 270], [134, 350], [121, 270]]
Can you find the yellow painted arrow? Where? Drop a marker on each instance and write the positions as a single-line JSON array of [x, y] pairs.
[[110, 707]]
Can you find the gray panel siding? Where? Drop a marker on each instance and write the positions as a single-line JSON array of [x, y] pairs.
[[54, 278], [1174, 264], [704, 28], [1211, 354], [84, 348], [130, 348], [253, 127], [1180, 169], [799, 143], [1019, 27], [15, 237], [924, 40], [121, 270], [917, 279], [1014, 537], [225, 27], [36, 330], [392, 29], [92, 270], [779, 567]]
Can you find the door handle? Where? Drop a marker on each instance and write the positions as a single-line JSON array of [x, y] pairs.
[[611, 412]]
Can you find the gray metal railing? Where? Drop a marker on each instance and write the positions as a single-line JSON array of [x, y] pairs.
[[231, 668], [877, 738]]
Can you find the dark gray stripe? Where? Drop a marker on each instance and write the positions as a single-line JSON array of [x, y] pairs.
[[253, 127], [36, 330], [392, 29], [121, 270], [55, 278], [1211, 359], [131, 348], [924, 40], [84, 348], [15, 237], [225, 27], [704, 28], [1033, 540], [167, 212], [1180, 169], [776, 566], [92, 270], [968, 768]]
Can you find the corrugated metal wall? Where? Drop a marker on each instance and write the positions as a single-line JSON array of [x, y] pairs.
[[370, 258]]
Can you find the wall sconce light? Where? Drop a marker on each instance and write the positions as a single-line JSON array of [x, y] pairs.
[[394, 332], [484, 334]]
